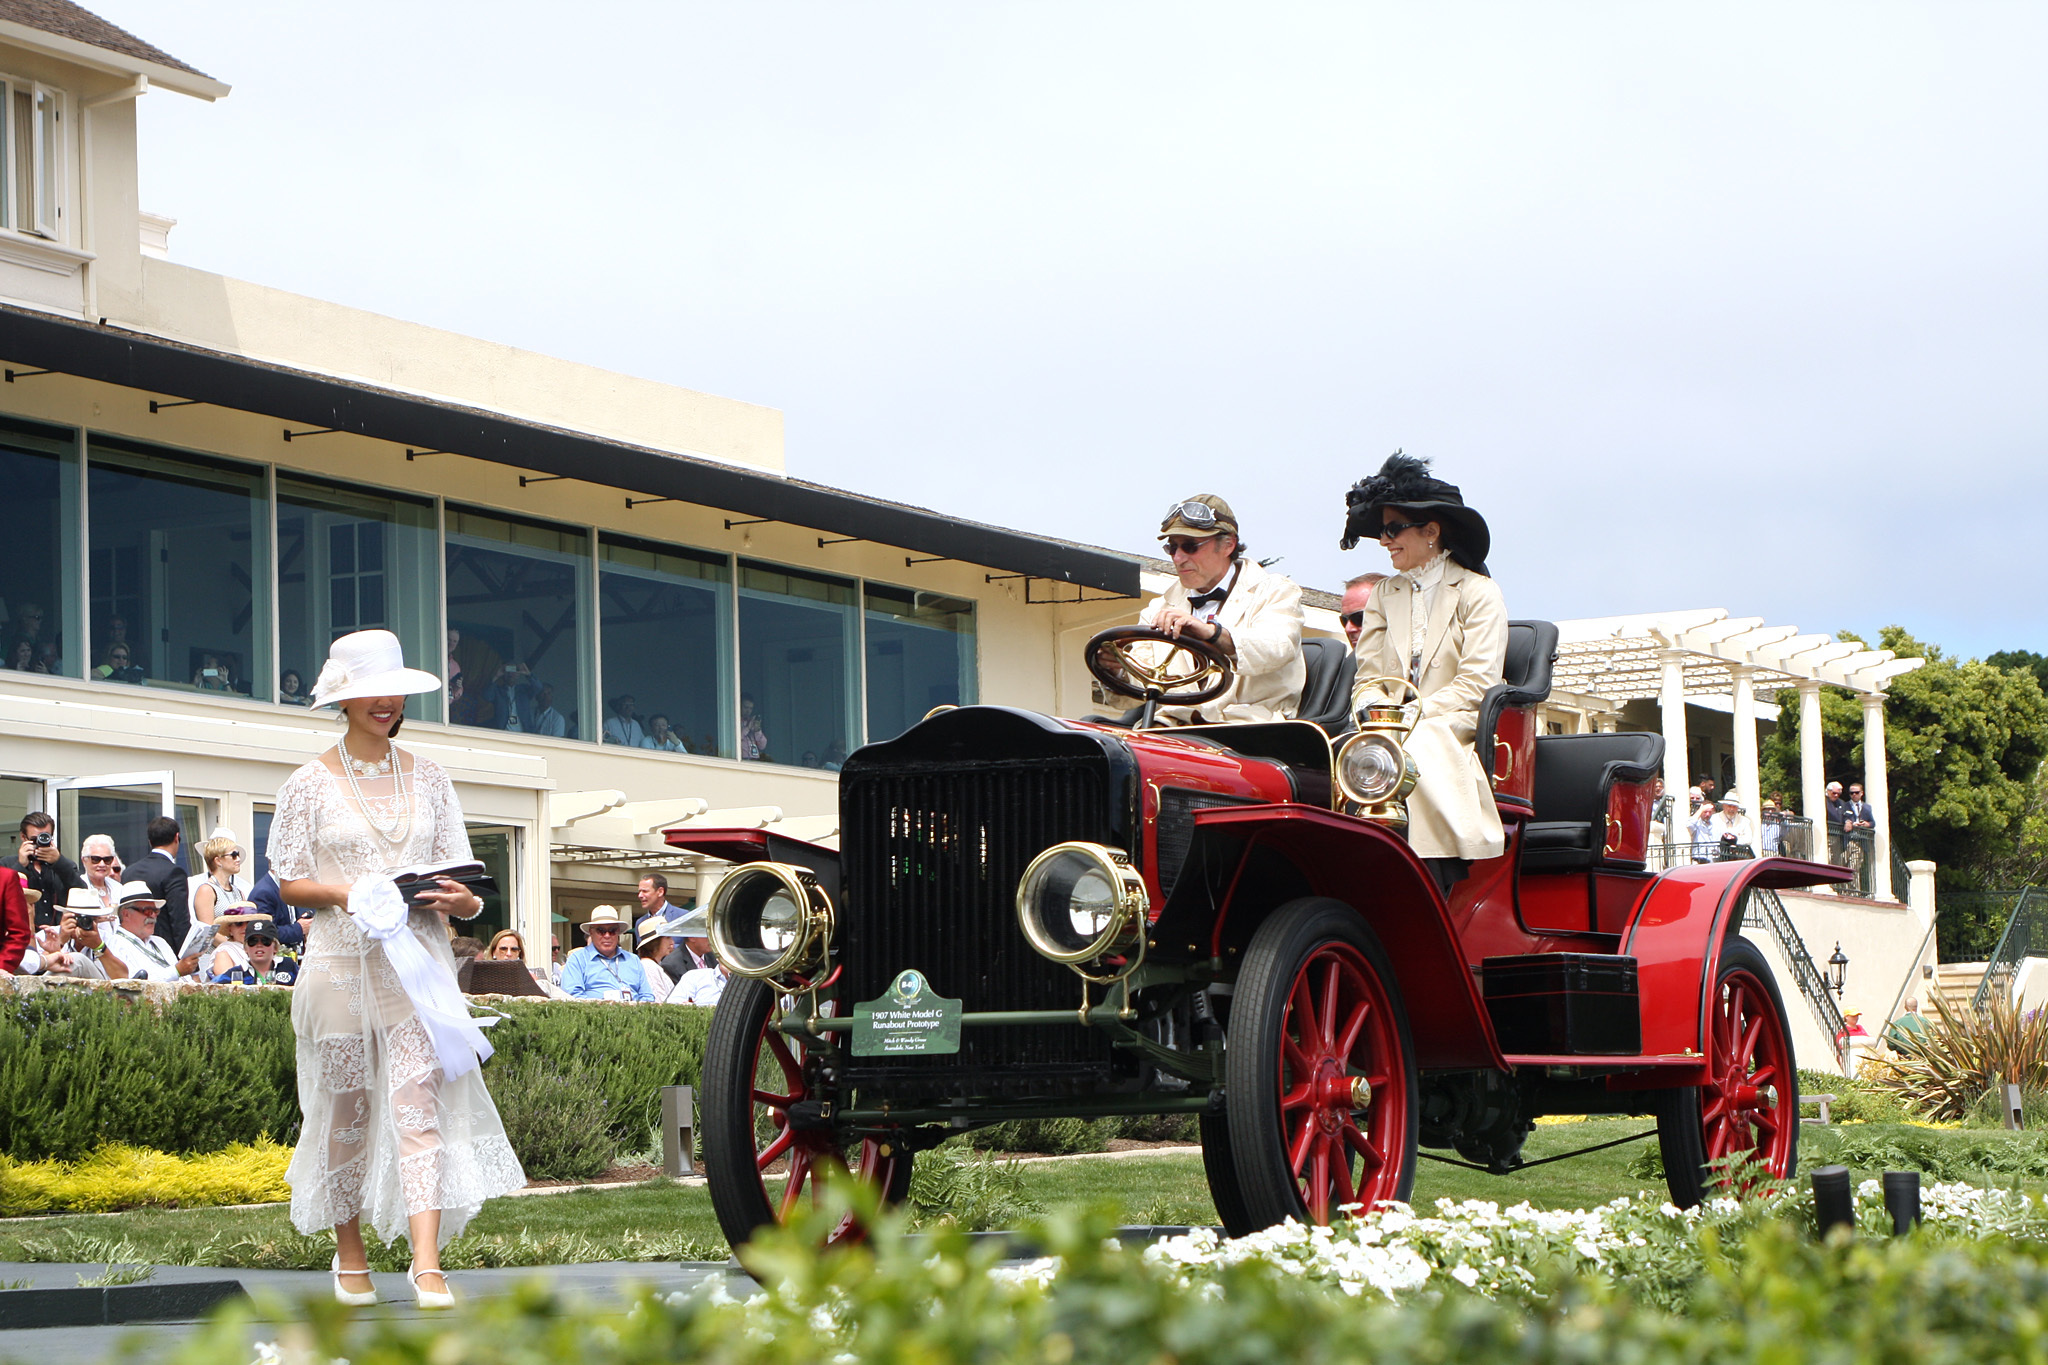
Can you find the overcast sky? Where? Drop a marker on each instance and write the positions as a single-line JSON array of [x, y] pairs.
[[1727, 305]]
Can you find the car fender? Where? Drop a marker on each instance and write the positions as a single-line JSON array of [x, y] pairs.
[[1367, 867], [1678, 932]]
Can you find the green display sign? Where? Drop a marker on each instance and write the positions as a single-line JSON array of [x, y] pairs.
[[911, 1020]]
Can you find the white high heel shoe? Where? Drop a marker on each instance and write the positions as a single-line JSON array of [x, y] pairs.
[[430, 1298], [350, 1296]]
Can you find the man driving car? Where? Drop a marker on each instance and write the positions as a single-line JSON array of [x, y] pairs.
[[1227, 600]]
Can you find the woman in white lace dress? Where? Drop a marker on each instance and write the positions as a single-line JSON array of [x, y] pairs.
[[398, 1124]]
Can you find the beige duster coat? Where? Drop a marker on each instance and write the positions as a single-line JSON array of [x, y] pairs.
[[1451, 813], [1263, 616]]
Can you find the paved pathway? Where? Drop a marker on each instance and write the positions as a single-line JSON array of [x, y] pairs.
[[602, 1283]]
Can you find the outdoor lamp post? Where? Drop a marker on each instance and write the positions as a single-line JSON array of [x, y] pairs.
[[1838, 971]]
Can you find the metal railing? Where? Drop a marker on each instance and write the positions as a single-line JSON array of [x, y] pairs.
[[1664, 857], [2025, 933], [1763, 910]]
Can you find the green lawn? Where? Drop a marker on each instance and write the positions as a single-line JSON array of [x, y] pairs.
[[660, 1221]]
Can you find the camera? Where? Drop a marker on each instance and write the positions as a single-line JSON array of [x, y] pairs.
[[43, 840]]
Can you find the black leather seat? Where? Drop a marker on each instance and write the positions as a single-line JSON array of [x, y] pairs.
[[1525, 679], [1574, 776], [1326, 696]]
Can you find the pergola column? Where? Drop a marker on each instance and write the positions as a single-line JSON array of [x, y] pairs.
[[1671, 702], [1747, 775], [1813, 782], [1878, 794]]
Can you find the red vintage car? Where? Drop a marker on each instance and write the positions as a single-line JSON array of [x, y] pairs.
[[1031, 917]]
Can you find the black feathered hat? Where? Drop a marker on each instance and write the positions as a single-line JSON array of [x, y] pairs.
[[1405, 482]]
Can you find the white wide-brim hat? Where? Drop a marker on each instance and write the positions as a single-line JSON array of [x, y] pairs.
[[1731, 799], [607, 917], [83, 900], [138, 894], [369, 663]]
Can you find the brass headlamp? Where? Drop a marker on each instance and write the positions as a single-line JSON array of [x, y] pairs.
[[1375, 772], [771, 921], [1081, 903]]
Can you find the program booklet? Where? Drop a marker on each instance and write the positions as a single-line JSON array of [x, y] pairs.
[[421, 877]]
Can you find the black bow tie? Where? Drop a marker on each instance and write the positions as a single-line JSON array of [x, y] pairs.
[[1196, 601]]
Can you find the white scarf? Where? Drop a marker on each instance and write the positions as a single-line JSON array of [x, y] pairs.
[[1423, 583], [458, 1040]]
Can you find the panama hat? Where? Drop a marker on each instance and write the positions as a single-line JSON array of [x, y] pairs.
[[238, 912], [1733, 799], [607, 917], [138, 893], [83, 900], [369, 663]]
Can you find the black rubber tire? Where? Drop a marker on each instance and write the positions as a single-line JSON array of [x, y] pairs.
[[1300, 931], [734, 1125], [1681, 1129], [1219, 1163]]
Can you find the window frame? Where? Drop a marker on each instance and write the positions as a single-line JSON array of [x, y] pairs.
[[47, 163]]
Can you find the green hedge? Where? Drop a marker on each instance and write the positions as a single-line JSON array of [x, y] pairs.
[[79, 1068]]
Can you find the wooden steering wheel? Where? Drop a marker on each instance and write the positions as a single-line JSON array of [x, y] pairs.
[[1188, 663]]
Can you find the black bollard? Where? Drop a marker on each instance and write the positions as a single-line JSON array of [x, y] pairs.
[[1834, 1204], [1902, 1200]]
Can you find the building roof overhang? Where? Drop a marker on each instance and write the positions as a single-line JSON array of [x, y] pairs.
[[113, 355], [1621, 658], [93, 43]]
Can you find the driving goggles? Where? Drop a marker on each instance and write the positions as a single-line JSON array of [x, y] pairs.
[[1199, 515]]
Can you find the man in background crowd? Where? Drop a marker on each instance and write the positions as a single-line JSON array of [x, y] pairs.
[[656, 909], [142, 954], [162, 872], [1351, 611], [44, 867], [602, 969]]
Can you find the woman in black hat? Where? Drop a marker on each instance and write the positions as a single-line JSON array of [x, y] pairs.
[[1441, 624]]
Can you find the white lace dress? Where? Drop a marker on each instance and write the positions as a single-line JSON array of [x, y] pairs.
[[384, 1134]]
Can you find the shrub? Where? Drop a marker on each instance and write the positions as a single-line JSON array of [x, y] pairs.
[[1945, 1070], [1856, 1100], [81, 1068], [1047, 1137], [559, 1131], [973, 1193], [118, 1177]]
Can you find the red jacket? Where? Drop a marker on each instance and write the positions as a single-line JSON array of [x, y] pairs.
[[15, 932]]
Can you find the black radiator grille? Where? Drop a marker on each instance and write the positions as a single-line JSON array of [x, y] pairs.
[[930, 860]]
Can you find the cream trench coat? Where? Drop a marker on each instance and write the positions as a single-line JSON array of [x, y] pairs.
[[1451, 813], [1263, 616]]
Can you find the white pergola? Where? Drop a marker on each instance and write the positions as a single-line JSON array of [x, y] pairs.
[[1670, 656]]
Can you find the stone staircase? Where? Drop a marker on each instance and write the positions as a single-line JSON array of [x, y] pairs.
[[1955, 984]]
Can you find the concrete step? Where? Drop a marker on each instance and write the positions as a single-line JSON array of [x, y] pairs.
[[1956, 983]]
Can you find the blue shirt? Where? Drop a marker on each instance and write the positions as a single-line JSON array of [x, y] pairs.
[[587, 976]]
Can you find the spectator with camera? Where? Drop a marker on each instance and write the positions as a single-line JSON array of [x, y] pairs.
[[46, 869], [74, 946]]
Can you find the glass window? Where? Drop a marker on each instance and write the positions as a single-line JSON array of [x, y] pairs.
[[492, 845], [797, 661], [667, 639], [920, 653], [348, 560], [180, 555], [39, 554], [517, 600]]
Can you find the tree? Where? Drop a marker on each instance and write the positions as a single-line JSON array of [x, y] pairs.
[[1964, 741]]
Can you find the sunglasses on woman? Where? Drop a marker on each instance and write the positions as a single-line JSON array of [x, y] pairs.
[[1395, 528]]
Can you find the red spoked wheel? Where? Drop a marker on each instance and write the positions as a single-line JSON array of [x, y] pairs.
[[768, 1143], [1748, 1109], [1321, 1069]]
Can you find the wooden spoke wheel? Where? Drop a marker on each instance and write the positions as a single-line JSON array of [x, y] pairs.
[[1749, 1107], [1321, 1070], [767, 1147]]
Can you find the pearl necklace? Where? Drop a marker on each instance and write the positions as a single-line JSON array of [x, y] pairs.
[[365, 767], [394, 819]]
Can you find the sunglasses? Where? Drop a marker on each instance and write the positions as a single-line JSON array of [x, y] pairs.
[[613, 930], [1353, 618], [1194, 513], [99, 857], [1395, 528], [1182, 545], [232, 853], [254, 941]]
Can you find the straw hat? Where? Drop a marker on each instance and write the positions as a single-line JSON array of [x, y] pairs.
[[238, 912], [137, 894], [608, 917], [369, 663], [83, 900]]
